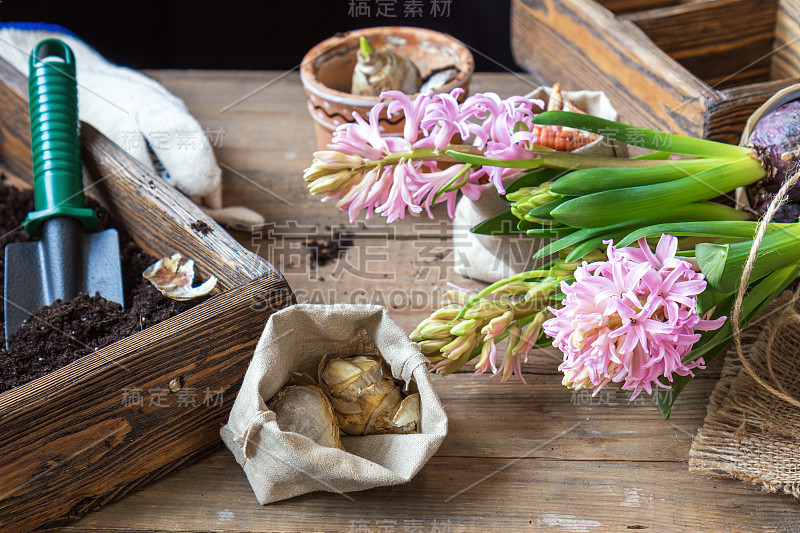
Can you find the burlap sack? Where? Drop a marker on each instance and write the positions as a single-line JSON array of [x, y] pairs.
[[490, 259], [749, 433], [282, 465]]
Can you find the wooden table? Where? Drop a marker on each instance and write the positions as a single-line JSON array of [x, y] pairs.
[[534, 457]]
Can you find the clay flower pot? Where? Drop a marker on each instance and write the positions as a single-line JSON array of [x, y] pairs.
[[327, 70]]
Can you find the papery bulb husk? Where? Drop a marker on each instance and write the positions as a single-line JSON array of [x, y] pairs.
[[365, 397], [174, 279], [346, 378], [355, 418], [301, 378], [439, 79], [408, 415], [305, 409], [379, 420], [384, 70]]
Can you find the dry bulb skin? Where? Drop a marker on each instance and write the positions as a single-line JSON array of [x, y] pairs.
[[174, 280], [304, 409], [365, 397], [355, 395]]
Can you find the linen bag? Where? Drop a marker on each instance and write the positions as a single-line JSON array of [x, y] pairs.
[[281, 465], [488, 258]]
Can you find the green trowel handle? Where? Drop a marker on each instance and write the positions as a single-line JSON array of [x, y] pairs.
[[55, 143]]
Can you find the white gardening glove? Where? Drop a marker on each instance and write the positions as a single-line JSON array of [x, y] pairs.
[[138, 114]]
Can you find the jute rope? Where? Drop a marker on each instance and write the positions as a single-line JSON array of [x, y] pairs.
[[761, 229]]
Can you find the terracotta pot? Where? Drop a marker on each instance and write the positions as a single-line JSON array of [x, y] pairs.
[[327, 70]]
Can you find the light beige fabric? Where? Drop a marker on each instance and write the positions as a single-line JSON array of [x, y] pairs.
[[281, 465], [490, 259]]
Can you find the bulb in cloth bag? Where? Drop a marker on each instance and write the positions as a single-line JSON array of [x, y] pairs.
[[304, 409], [366, 398], [383, 70]]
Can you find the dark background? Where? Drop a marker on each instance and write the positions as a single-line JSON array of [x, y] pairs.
[[256, 35]]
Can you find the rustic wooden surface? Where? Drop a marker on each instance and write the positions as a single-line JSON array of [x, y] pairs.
[[786, 61], [697, 67], [89, 432], [533, 457], [724, 42]]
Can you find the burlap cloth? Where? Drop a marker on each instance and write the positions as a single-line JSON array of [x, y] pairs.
[[749, 433], [492, 258], [281, 465]]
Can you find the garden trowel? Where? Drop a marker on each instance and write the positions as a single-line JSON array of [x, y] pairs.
[[66, 260]]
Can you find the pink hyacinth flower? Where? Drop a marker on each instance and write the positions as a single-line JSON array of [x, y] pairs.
[[410, 185], [631, 319]]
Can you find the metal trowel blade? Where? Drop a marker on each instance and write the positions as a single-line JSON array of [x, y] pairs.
[[29, 287]]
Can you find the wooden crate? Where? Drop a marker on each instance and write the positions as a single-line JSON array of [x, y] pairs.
[[78, 437], [697, 67]]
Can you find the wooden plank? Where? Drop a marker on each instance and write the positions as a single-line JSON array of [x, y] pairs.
[[648, 87], [583, 46], [15, 136], [159, 218], [480, 410], [730, 109], [785, 62], [71, 439], [726, 43], [622, 7], [524, 493]]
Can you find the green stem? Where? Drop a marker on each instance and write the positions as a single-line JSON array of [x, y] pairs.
[[722, 264], [454, 184], [557, 160], [642, 137], [498, 284], [420, 154]]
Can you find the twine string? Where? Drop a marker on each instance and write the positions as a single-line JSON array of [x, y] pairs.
[[761, 229]]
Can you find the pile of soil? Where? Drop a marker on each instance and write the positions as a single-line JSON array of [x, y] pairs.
[[326, 250], [201, 227], [62, 332]]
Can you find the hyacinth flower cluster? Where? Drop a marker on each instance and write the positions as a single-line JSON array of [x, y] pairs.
[[471, 326], [581, 211], [629, 315], [580, 204], [394, 175], [630, 319]]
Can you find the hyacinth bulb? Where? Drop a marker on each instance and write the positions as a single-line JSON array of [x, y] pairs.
[[365, 397], [305, 409], [383, 70]]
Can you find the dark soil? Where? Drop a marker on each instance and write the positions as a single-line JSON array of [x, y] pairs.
[[761, 195], [325, 250], [62, 332], [201, 227]]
